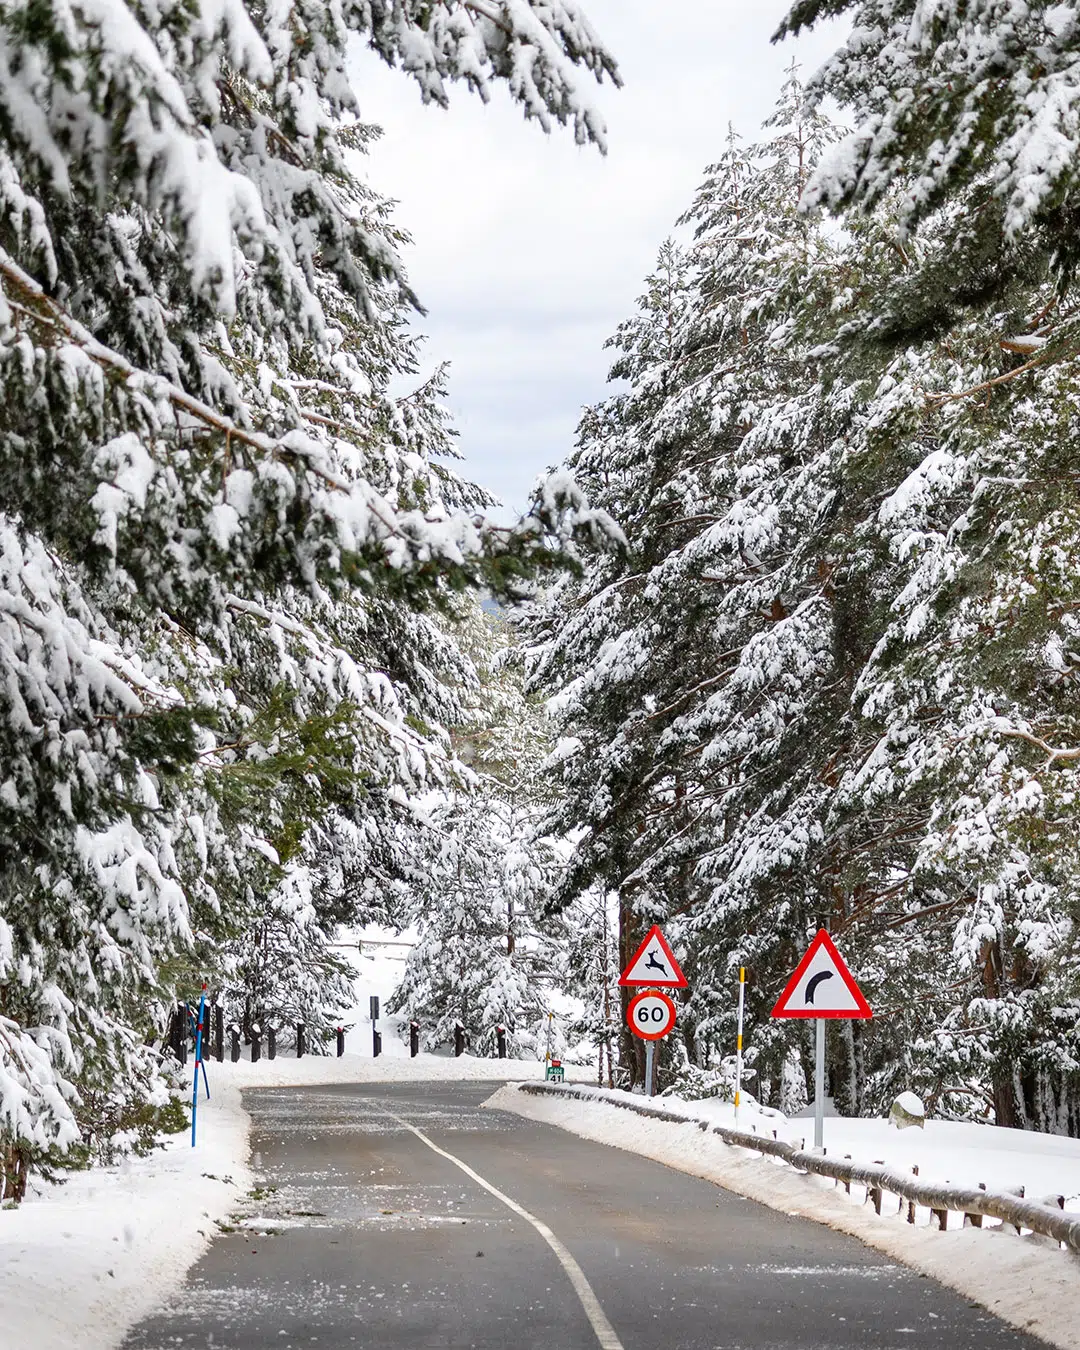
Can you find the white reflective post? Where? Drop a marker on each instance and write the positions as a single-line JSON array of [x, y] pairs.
[[738, 1045], [819, 1083]]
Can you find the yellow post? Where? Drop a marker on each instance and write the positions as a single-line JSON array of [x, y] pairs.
[[738, 1044]]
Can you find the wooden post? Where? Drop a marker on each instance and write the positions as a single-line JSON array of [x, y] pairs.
[[341, 1042], [256, 1044], [911, 1203], [975, 1220], [180, 1031], [847, 1184], [1019, 1193], [234, 1044], [414, 1039], [459, 1040], [219, 1033], [271, 1043], [299, 1040], [874, 1192]]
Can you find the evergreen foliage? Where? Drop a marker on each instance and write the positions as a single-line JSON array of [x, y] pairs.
[[222, 525], [482, 959], [831, 683]]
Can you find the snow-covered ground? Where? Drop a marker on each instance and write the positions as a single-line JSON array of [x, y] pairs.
[[943, 1150], [1027, 1280]]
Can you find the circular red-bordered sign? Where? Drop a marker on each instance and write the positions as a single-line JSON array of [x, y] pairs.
[[650, 1015]]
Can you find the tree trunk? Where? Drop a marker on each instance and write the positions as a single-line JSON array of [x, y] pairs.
[[631, 1052], [14, 1172]]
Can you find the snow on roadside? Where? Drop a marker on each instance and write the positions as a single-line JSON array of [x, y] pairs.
[[81, 1263], [943, 1150], [1026, 1281]]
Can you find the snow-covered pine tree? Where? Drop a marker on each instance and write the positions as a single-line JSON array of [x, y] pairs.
[[592, 969], [964, 135], [700, 694], [482, 959], [964, 98], [199, 454], [946, 823], [598, 643], [888, 745]]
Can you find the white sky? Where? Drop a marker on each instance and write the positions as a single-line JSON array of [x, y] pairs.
[[529, 250]]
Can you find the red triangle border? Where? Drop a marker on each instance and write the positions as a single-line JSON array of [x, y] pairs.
[[654, 933], [822, 939]]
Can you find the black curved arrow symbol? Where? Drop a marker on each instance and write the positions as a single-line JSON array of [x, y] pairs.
[[814, 981]]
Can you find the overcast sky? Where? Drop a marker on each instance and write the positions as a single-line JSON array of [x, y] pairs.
[[529, 250]]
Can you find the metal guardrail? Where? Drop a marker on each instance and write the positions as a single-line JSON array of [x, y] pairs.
[[939, 1197]]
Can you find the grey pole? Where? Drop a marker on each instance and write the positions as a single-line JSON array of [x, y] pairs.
[[819, 1083], [650, 1047]]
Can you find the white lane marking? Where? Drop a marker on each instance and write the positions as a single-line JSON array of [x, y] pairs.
[[605, 1332]]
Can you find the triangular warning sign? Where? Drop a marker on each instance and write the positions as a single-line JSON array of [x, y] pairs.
[[822, 986], [654, 964]]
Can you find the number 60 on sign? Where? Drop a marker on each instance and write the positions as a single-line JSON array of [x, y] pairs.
[[650, 1015]]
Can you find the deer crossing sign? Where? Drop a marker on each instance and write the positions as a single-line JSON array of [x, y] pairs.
[[653, 965]]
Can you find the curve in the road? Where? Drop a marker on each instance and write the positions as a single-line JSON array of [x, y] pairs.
[[405, 1217]]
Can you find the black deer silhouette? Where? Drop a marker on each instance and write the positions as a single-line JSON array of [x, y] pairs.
[[654, 963]]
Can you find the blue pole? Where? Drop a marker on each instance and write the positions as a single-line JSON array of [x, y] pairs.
[[198, 1060]]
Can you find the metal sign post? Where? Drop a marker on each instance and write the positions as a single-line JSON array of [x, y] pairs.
[[819, 1082], [650, 1016]]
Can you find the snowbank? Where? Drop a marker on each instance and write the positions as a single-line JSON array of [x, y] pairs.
[[1027, 1282], [82, 1262]]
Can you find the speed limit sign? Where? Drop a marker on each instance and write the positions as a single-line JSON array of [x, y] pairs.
[[650, 1015]]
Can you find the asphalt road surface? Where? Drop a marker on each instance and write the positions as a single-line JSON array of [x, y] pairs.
[[365, 1231]]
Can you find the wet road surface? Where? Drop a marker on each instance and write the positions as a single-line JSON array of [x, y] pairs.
[[364, 1231]]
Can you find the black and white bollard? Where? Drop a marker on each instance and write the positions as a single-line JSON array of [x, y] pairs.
[[414, 1039], [500, 1037]]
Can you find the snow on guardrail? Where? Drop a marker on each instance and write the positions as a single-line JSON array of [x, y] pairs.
[[939, 1197]]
